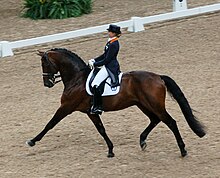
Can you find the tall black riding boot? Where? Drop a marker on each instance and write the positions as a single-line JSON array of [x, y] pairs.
[[97, 101]]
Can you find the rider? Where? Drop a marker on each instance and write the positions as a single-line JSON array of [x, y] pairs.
[[108, 65]]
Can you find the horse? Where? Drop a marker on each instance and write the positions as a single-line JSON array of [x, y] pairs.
[[144, 89]]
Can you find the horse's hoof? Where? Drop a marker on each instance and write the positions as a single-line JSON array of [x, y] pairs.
[[184, 153], [111, 155], [143, 145], [30, 143]]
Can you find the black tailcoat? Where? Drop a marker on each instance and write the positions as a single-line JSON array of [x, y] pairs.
[[109, 57]]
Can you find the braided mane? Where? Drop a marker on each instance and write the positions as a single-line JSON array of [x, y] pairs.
[[72, 55]]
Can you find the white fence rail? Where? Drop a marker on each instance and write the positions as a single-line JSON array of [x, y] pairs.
[[181, 14], [65, 35], [136, 24]]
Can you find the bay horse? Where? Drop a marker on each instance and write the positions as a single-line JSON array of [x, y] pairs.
[[144, 89]]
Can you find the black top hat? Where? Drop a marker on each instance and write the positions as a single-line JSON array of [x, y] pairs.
[[114, 28]]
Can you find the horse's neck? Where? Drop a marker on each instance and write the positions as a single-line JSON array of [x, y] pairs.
[[72, 75]]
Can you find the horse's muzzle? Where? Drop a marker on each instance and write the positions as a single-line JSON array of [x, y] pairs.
[[49, 83], [50, 79]]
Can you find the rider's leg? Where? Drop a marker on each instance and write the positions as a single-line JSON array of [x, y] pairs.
[[97, 99], [100, 76]]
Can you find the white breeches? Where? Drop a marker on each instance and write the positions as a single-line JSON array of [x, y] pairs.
[[100, 76]]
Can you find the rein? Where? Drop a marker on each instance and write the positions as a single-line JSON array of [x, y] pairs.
[[85, 68], [52, 77]]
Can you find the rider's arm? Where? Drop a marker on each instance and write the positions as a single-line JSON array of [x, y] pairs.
[[112, 52], [101, 57]]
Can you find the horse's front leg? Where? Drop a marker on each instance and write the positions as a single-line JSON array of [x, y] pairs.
[[59, 115], [101, 129]]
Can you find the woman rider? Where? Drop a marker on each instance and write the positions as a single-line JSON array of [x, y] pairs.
[[108, 65]]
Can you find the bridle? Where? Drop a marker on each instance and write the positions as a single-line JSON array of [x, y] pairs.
[[51, 76]]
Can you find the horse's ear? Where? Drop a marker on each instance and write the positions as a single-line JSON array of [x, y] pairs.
[[40, 53]]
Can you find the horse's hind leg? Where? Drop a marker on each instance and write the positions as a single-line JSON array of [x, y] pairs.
[[157, 116], [171, 123], [101, 129], [154, 120]]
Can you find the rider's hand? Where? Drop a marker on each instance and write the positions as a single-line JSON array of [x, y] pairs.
[[91, 63]]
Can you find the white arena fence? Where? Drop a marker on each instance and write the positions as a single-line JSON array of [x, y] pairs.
[[135, 24]]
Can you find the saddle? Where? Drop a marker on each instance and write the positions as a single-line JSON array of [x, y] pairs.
[[110, 86]]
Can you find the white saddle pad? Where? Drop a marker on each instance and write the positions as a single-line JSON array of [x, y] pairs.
[[108, 91]]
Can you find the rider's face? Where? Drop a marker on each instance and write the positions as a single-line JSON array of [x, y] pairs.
[[111, 34]]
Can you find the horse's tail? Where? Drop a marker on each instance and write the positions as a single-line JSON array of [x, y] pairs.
[[178, 95]]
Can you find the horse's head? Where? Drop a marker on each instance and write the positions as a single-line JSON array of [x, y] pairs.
[[49, 69], [68, 64]]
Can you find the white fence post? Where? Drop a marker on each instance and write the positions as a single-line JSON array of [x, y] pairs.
[[179, 5], [5, 49], [137, 25]]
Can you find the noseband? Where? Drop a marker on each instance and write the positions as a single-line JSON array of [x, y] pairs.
[[52, 77]]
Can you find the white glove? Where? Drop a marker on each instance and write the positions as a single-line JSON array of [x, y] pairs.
[[91, 63]]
